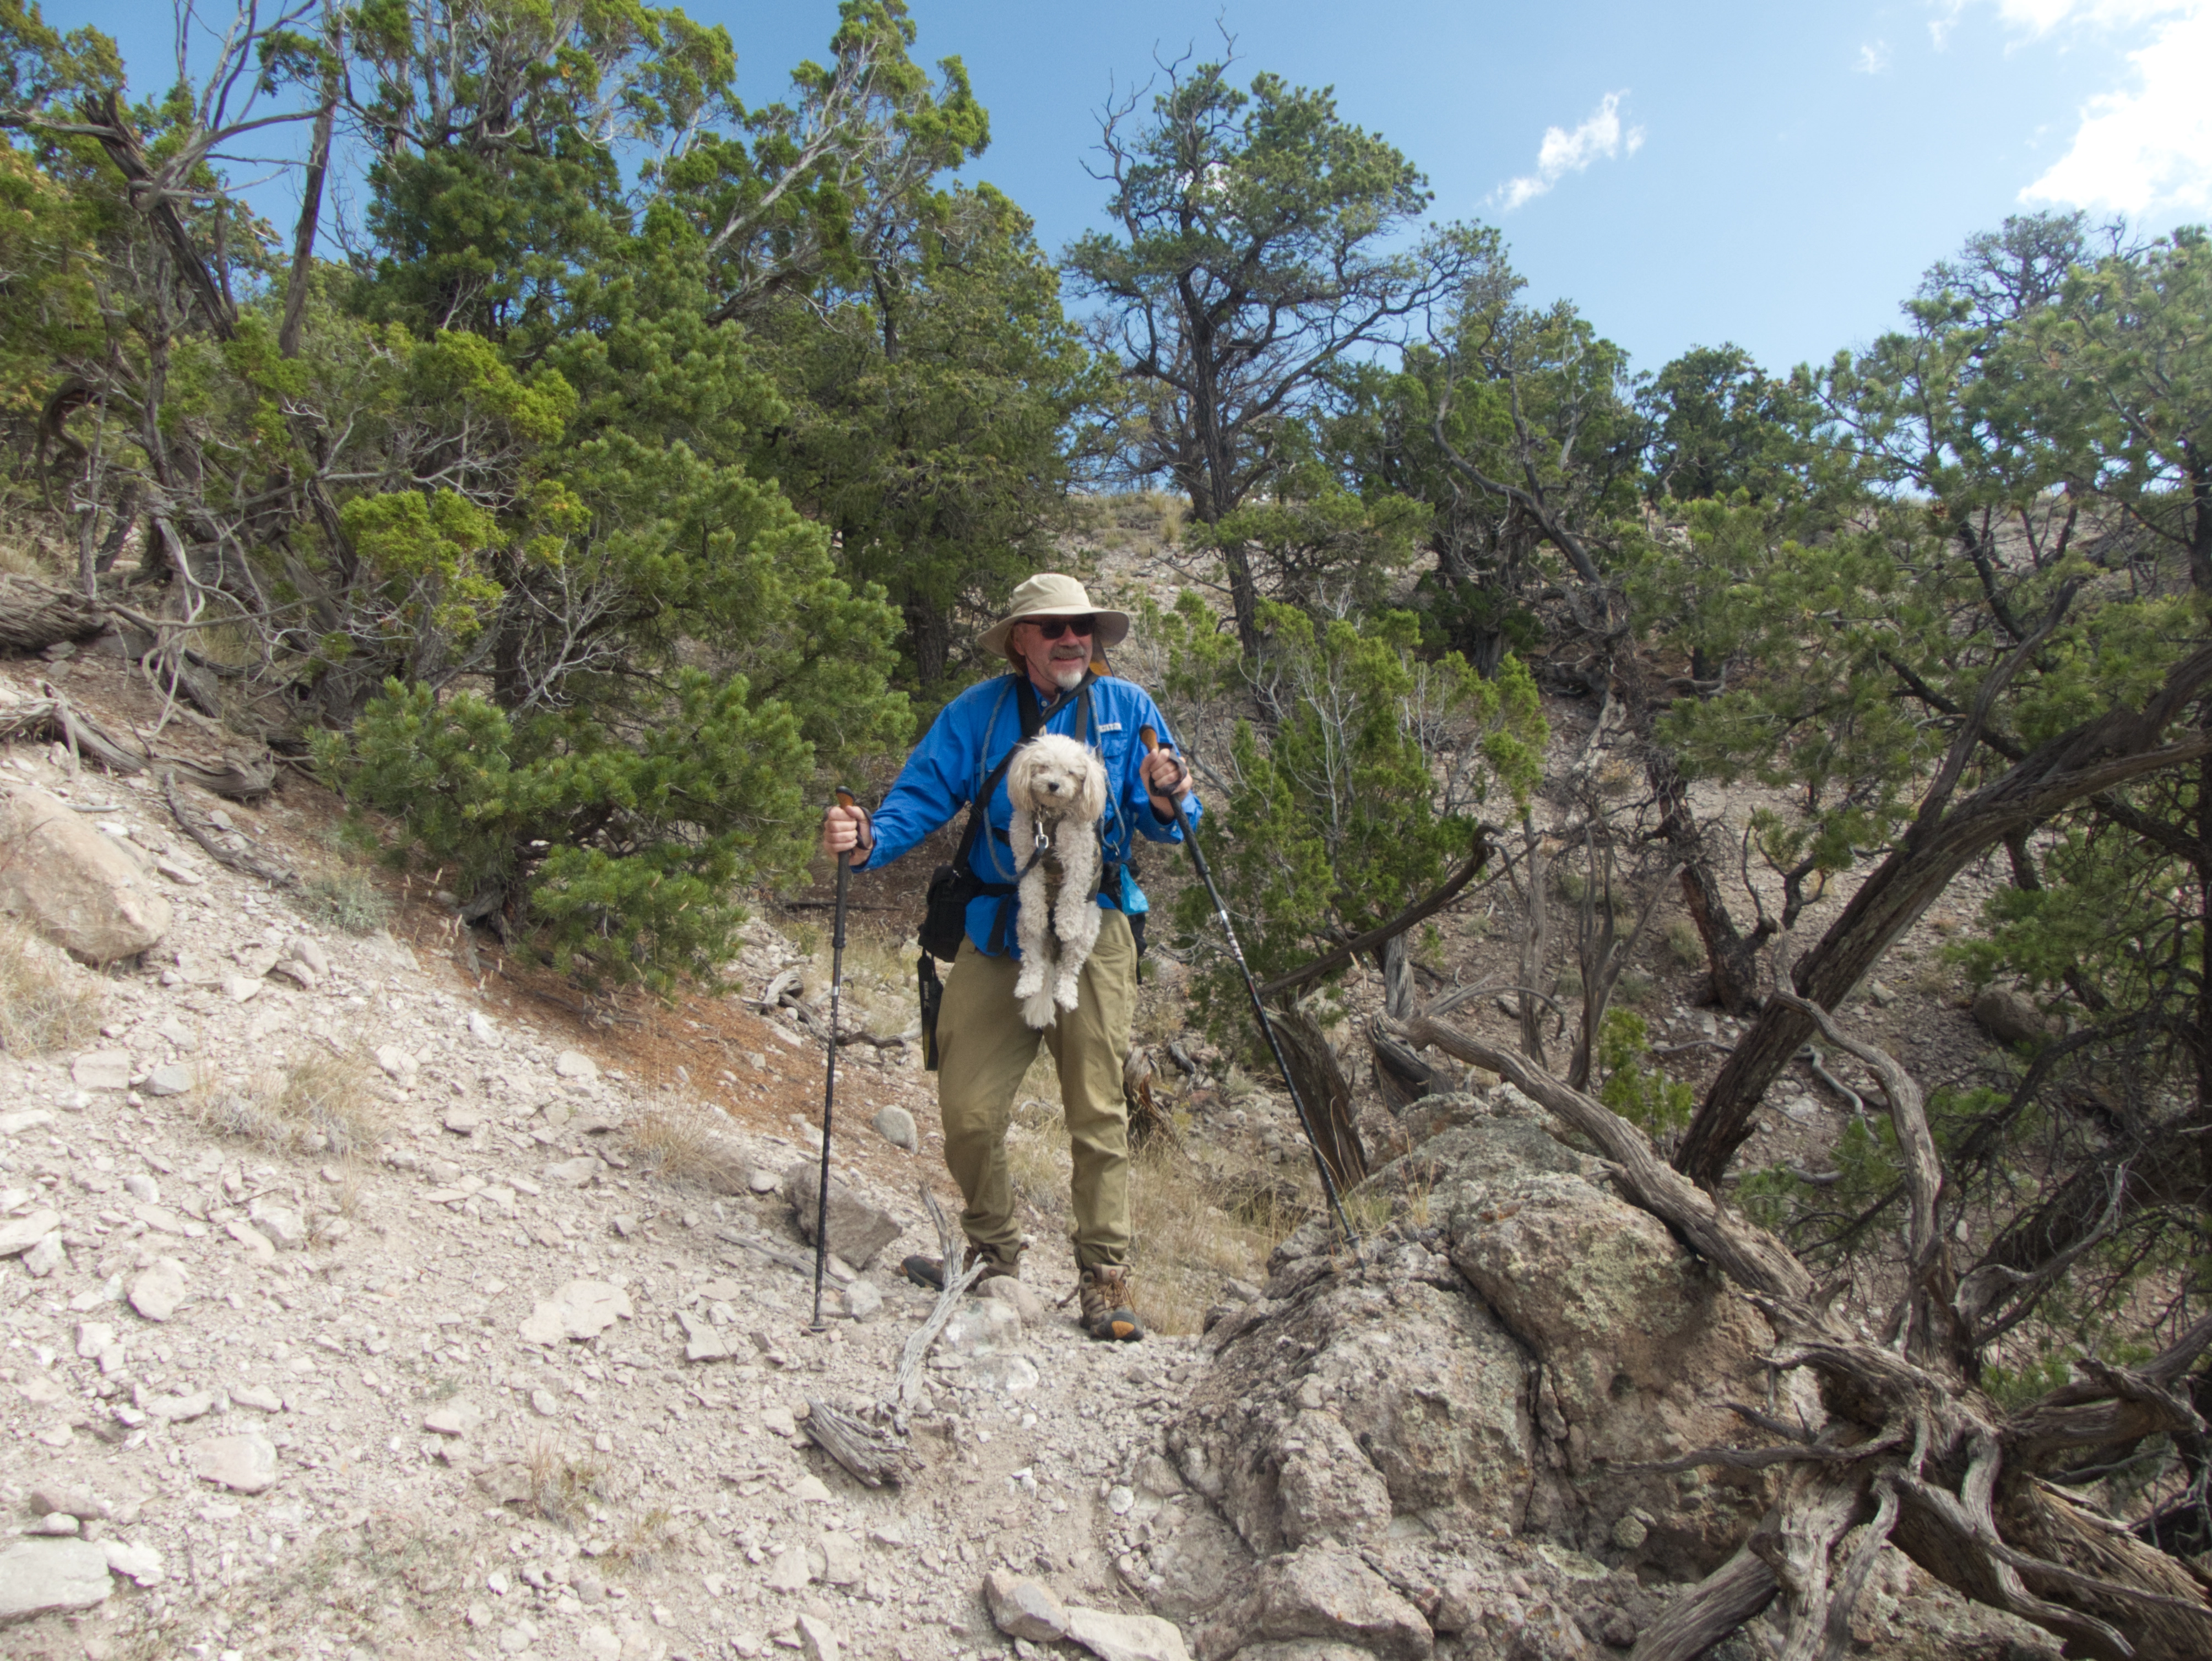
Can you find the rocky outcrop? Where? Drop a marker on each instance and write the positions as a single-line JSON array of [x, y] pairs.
[[75, 887], [1433, 1443]]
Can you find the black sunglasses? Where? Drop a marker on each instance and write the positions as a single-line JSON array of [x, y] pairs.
[[1053, 629]]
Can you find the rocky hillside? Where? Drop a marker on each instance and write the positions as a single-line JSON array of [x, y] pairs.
[[362, 1300]]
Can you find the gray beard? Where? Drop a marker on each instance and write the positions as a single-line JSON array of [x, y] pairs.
[[1067, 676]]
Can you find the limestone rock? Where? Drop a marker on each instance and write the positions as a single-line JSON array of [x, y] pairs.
[[841, 1558], [397, 1064], [817, 1640], [863, 1301], [75, 887], [143, 1564], [171, 1078], [279, 1224], [102, 1070], [581, 1309], [980, 1326], [1113, 1637], [1641, 1347], [574, 1063], [896, 1125], [21, 1234], [158, 1291], [246, 1463], [1012, 1289], [38, 1577], [455, 1418], [1024, 1609], [857, 1229], [2008, 1017], [1198, 1566], [1328, 1593]]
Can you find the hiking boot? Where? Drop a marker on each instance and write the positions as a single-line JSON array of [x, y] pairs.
[[929, 1272], [1106, 1311]]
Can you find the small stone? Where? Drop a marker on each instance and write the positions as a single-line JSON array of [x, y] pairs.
[[311, 953], [580, 1310], [1119, 1500], [294, 971], [454, 1418], [92, 1338], [29, 1119], [55, 1522], [102, 1070], [544, 1402], [180, 1410], [24, 1233], [1024, 1609], [857, 1230], [177, 871], [790, 1570], [1629, 1532], [171, 1078], [280, 1224], [42, 1259], [1126, 1637], [818, 1641], [980, 1326], [258, 1398], [141, 1187], [252, 1239], [157, 1292], [462, 1121], [39, 1577], [1882, 994], [841, 1558], [896, 1125], [246, 1463], [141, 1564], [1012, 1289], [242, 988], [574, 1063], [600, 1644], [812, 1491], [399, 1065], [574, 1172], [480, 1028], [863, 1302]]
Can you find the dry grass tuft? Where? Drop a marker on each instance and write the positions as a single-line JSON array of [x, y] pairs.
[[675, 1140], [878, 995], [322, 1105], [645, 1543], [46, 1002], [565, 1489], [345, 899]]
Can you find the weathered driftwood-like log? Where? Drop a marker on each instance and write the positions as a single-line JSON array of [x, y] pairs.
[[853, 1444], [228, 848], [906, 1386], [53, 717], [34, 615]]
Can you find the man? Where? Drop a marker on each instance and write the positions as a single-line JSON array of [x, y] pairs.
[[1052, 638]]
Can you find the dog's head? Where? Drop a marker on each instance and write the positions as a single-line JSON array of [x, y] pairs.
[[1057, 777]]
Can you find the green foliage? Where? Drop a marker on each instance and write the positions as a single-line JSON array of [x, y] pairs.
[[928, 417], [1651, 1100], [1363, 789], [627, 852]]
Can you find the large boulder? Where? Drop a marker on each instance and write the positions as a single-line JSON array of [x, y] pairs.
[[75, 887], [1640, 1345]]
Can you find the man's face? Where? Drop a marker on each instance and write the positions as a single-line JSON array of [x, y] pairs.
[[1058, 663]]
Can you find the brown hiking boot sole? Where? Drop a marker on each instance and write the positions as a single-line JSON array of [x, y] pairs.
[[929, 1272]]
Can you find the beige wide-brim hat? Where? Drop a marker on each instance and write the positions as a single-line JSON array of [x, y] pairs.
[[1048, 594]]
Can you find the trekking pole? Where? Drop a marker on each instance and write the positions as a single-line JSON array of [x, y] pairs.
[[1151, 741], [846, 800]]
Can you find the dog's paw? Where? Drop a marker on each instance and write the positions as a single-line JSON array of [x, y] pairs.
[[1037, 1009], [1030, 981], [1067, 991]]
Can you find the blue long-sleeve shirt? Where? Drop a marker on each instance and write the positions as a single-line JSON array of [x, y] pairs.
[[971, 735]]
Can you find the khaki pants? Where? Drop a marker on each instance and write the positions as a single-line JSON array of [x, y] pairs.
[[984, 1047]]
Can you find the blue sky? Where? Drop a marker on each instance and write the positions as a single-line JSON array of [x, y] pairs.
[[1777, 175]]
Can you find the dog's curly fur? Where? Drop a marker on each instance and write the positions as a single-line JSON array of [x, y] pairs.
[[1059, 786]]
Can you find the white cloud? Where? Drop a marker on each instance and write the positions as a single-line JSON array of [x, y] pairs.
[[2144, 147], [1600, 138], [1874, 58]]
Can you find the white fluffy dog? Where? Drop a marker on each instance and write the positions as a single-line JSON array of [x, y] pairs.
[[1058, 787]]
